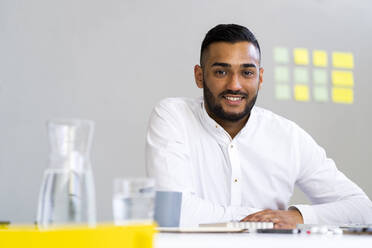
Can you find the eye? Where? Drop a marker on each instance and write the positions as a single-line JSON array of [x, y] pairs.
[[248, 73], [220, 73]]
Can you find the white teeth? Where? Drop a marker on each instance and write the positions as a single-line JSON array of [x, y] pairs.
[[232, 98]]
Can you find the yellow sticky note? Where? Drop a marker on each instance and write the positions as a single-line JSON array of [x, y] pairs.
[[301, 56], [343, 60], [301, 93], [320, 58], [343, 78], [342, 95]]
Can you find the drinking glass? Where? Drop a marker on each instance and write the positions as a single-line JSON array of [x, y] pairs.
[[133, 200]]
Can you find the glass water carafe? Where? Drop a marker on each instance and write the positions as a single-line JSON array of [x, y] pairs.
[[67, 194]]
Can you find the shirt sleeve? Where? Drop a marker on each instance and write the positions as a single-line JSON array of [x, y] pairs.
[[335, 199], [168, 161]]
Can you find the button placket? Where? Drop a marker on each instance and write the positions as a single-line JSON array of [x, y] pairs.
[[235, 175]]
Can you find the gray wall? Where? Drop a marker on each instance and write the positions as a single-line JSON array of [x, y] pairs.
[[111, 61]]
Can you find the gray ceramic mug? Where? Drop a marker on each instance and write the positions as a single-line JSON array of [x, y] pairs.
[[168, 208]]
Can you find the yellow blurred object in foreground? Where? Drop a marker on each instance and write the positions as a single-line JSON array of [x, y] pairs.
[[108, 236]]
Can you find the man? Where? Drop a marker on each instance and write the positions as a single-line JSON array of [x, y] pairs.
[[236, 162]]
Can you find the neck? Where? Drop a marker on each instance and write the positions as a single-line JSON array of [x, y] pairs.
[[231, 127]]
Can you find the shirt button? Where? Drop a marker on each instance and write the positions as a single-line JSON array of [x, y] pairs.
[[235, 180], [232, 146], [216, 126]]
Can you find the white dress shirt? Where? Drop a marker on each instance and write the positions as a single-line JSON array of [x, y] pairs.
[[224, 179]]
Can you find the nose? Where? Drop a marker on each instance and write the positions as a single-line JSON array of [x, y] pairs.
[[234, 83]]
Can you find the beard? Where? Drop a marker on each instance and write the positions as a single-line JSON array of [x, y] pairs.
[[217, 109]]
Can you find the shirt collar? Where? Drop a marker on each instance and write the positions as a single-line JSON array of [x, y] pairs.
[[218, 131]]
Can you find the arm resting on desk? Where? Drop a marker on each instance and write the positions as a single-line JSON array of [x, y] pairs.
[[335, 198]]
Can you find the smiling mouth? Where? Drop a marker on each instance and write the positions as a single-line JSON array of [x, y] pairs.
[[234, 98]]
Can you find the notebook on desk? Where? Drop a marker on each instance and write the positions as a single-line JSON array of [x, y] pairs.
[[242, 225], [200, 229], [225, 227]]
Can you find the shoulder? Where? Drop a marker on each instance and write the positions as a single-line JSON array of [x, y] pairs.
[[177, 109], [267, 116], [278, 124], [177, 106], [177, 103]]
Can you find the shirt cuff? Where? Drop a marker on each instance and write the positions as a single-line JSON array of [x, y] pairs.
[[239, 213], [308, 214]]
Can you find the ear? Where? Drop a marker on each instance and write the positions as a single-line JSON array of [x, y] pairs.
[[260, 80], [198, 74]]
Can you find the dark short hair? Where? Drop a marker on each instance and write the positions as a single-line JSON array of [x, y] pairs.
[[228, 33]]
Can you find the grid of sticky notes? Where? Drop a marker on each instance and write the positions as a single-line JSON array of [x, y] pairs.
[[306, 75]]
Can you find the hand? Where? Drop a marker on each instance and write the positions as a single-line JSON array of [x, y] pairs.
[[282, 219]]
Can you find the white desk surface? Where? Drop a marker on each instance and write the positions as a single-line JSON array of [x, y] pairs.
[[237, 240]]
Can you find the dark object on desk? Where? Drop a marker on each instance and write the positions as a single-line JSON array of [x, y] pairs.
[[358, 230], [4, 223], [282, 231], [347, 226]]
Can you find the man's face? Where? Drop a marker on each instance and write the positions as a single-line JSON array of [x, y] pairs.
[[231, 77]]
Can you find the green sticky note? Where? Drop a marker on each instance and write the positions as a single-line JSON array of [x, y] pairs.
[[281, 55], [281, 74], [282, 92], [320, 76], [320, 93], [301, 75]]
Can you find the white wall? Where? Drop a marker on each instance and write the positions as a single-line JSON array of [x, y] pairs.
[[111, 61]]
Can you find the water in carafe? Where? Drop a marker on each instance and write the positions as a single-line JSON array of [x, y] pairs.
[[67, 194]]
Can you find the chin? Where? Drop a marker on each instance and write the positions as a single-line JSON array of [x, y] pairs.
[[233, 113], [229, 111]]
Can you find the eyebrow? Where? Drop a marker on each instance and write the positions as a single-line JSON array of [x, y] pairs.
[[248, 65], [228, 65], [221, 64]]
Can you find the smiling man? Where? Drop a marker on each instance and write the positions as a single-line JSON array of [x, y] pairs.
[[231, 79], [234, 161]]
